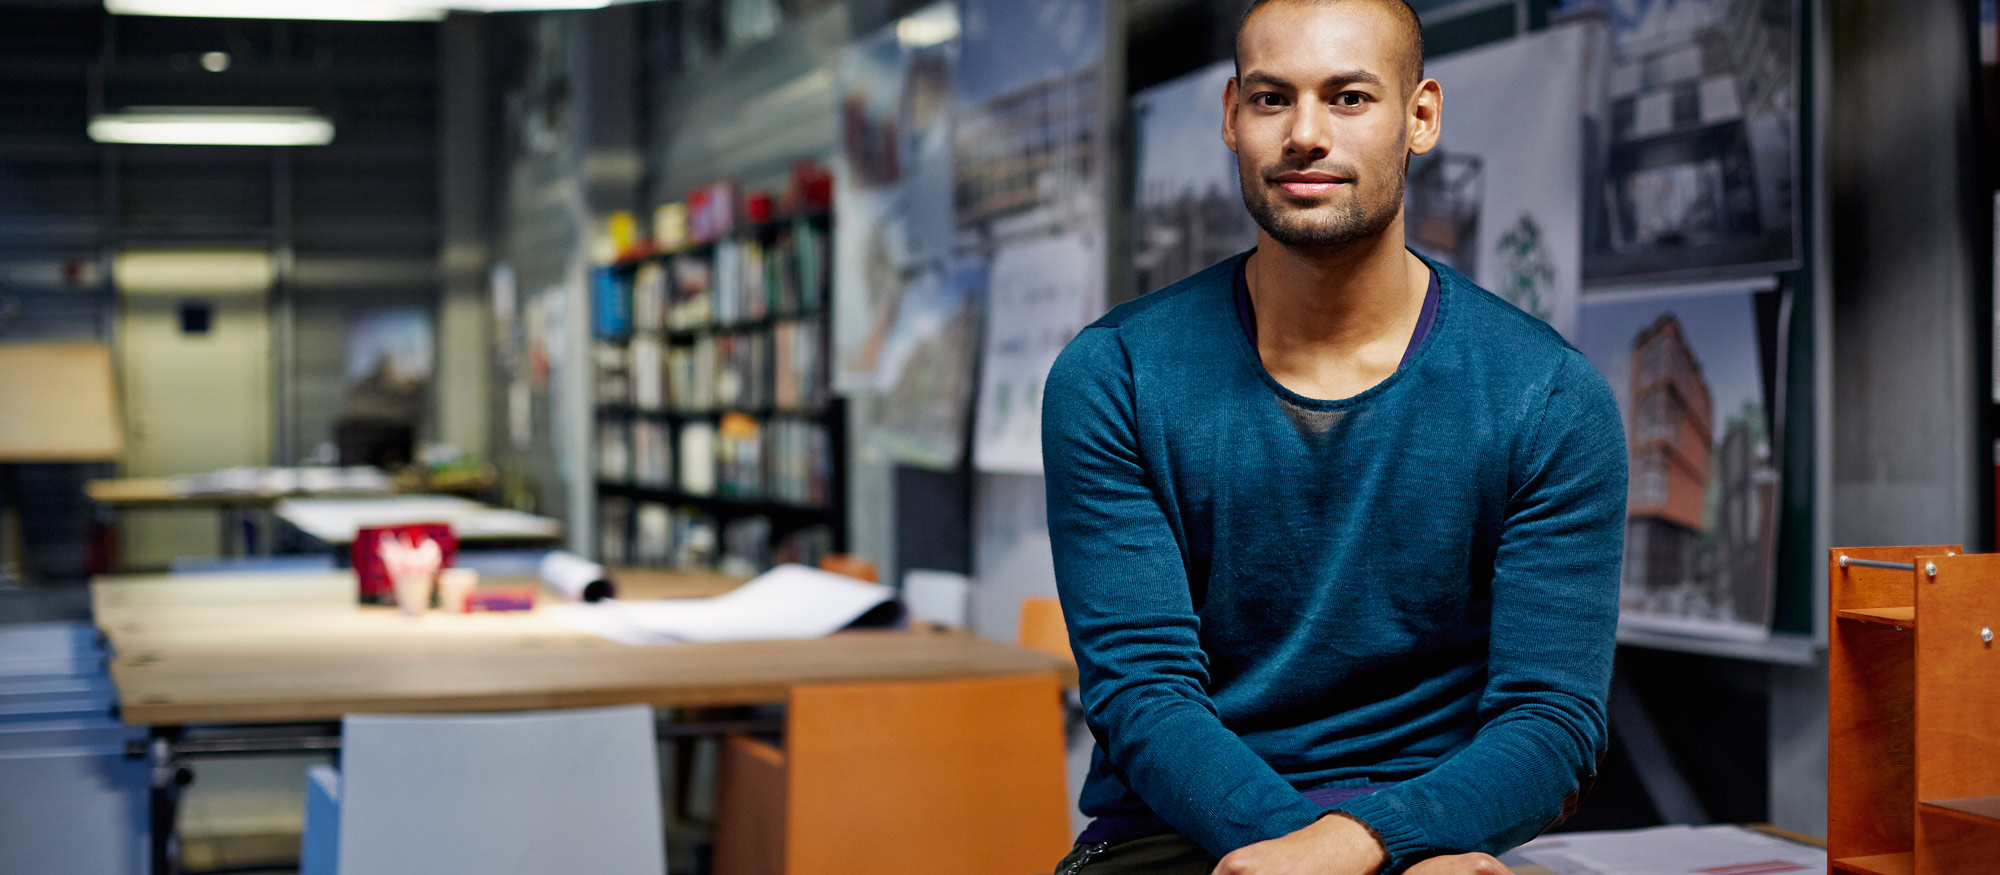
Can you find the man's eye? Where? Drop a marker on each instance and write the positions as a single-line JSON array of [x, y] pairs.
[[1266, 98], [1350, 99]]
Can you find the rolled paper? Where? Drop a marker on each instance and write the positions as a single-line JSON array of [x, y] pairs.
[[576, 578]]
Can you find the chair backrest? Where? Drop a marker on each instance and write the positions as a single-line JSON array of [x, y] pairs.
[[852, 566], [1042, 628], [533, 792], [961, 776]]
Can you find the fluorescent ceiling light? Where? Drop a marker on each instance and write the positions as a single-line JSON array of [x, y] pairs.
[[307, 10], [339, 10], [212, 126], [928, 27]]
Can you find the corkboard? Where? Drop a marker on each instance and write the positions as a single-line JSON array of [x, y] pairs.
[[58, 403]]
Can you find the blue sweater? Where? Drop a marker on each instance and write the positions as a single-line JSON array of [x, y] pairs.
[[1269, 593]]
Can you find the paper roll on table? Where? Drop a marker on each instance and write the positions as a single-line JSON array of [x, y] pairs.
[[576, 578]]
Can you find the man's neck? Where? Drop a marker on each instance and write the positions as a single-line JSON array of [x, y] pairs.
[[1333, 322]]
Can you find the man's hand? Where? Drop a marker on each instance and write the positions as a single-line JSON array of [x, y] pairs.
[[1332, 845], [1460, 864]]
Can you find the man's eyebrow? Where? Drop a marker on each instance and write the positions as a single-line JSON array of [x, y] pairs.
[[1345, 77]]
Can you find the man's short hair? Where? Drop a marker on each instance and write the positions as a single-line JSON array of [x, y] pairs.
[[1413, 66]]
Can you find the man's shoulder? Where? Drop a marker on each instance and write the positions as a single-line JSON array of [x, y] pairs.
[[1508, 335], [1171, 305]]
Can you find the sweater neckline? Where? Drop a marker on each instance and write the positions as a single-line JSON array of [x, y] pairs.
[[1410, 361]]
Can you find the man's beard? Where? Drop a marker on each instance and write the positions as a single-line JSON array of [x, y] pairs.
[[1326, 225]]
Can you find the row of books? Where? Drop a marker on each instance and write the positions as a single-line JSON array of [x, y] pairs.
[[742, 457], [783, 366], [737, 280], [654, 534]]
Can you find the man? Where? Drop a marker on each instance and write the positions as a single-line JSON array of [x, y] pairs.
[[1337, 532]]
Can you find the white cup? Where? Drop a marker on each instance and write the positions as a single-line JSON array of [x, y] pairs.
[[454, 588], [413, 592]]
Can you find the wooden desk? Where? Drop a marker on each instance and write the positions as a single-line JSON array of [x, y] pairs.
[[294, 648], [289, 648]]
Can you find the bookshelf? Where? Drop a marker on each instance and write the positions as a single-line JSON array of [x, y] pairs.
[[1913, 756], [717, 439]]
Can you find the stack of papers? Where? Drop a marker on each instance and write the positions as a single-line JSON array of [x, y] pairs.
[[1670, 850], [789, 601], [283, 481]]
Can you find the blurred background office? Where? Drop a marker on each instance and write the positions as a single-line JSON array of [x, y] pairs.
[[715, 285]]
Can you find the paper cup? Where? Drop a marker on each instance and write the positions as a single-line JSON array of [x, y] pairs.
[[413, 593], [454, 587]]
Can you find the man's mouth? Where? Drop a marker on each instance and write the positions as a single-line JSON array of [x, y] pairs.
[[1308, 183]]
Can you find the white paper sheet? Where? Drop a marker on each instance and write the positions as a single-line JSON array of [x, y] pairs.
[[335, 520], [789, 601], [1673, 850]]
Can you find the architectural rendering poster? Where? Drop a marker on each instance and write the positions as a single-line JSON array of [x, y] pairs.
[[1499, 207], [928, 363], [1693, 166], [1042, 291], [1029, 144], [1693, 374], [1188, 206], [1029, 153], [389, 360], [893, 189]]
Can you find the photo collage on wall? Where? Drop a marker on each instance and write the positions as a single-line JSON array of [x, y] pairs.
[[1649, 227]]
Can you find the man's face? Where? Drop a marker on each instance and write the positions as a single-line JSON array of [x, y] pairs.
[[1321, 120]]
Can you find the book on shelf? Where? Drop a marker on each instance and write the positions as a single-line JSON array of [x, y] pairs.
[[615, 449], [614, 519], [652, 535], [652, 454], [697, 458], [649, 298], [739, 451], [691, 282], [614, 372], [648, 370], [612, 305]]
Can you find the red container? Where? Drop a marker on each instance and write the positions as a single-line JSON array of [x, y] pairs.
[[366, 555]]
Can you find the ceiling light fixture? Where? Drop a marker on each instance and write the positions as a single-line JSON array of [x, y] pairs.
[[300, 10], [340, 10], [212, 126]]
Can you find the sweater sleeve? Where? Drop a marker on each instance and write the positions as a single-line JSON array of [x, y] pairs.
[[1123, 580], [1555, 611]]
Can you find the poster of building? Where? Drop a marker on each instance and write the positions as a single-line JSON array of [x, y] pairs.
[[1693, 164], [1041, 292], [1028, 158], [1693, 371], [1502, 208], [892, 178], [929, 362], [1187, 206], [389, 362]]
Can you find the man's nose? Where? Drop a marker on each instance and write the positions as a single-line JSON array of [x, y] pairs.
[[1310, 133]]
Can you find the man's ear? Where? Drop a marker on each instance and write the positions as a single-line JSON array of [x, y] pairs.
[[1426, 118], [1229, 114]]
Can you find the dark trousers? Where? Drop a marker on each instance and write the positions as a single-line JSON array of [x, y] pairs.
[[1166, 854]]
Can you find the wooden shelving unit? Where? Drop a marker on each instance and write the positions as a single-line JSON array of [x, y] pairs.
[[1913, 762]]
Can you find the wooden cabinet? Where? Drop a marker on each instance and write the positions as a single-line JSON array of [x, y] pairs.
[[1913, 723]]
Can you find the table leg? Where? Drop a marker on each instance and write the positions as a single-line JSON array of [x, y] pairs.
[[169, 774]]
